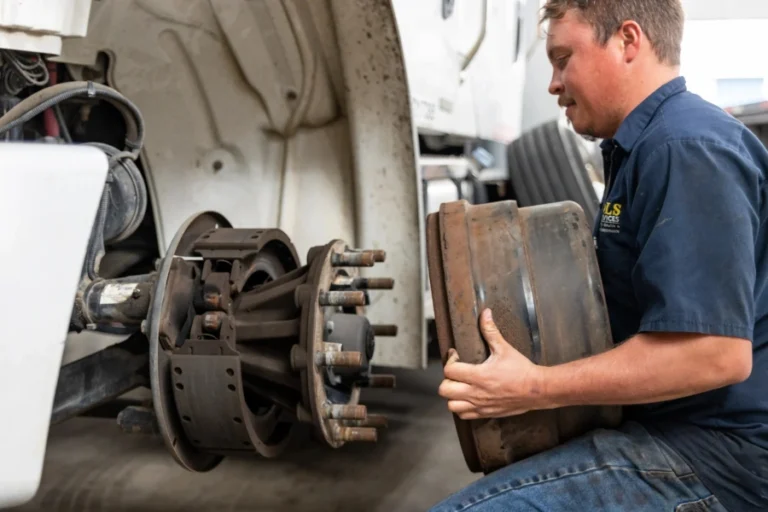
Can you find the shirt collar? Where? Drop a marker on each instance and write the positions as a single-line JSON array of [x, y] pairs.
[[637, 121]]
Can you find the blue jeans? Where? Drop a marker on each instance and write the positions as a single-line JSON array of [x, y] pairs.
[[605, 470]]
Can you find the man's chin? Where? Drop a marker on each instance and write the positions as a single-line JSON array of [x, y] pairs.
[[584, 131], [576, 126]]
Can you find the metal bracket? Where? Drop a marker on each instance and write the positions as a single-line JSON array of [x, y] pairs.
[[100, 377]]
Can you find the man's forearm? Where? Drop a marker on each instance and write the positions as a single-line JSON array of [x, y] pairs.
[[647, 369]]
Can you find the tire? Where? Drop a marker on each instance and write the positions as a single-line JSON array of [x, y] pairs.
[[545, 166]]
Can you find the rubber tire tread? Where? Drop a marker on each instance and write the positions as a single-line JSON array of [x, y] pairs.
[[591, 203], [567, 156], [545, 167]]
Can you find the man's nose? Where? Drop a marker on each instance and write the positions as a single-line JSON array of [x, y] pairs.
[[556, 86]]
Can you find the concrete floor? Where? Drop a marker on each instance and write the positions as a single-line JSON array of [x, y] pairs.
[[92, 466]]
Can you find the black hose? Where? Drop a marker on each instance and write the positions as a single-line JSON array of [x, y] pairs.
[[51, 96], [97, 242], [125, 161]]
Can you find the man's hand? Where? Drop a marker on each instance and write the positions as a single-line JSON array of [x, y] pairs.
[[506, 384], [647, 368]]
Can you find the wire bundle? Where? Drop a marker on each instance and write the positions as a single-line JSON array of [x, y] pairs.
[[22, 70]]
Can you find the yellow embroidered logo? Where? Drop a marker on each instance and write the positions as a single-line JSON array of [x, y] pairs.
[[610, 221]]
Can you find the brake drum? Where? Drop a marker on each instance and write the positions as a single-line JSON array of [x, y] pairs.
[[536, 269]]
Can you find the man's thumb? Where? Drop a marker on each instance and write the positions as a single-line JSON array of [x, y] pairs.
[[491, 333]]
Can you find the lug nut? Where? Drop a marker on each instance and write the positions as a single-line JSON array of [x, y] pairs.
[[212, 321], [378, 283], [352, 434], [340, 359], [332, 347], [345, 412], [379, 255], [343, 299], [384, 330], [212, 300], [344, 281], [353, 259], [372, 421]]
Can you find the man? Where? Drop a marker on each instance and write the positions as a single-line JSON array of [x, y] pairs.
[[685, 274]]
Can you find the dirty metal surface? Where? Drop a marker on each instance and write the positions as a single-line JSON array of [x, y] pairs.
[[213, 403], [170, 300], [244, 354], [88, 382], [210, 398], [313, 326], [445, 334], [537, 271], [377, 104]]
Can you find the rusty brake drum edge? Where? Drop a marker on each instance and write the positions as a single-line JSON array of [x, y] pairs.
[[536, 268]]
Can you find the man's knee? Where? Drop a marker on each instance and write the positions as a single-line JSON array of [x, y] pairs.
[[598, 468]]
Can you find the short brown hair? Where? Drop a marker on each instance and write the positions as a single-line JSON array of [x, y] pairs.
[[661, 20]]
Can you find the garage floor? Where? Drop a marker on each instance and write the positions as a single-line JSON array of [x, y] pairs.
[[92, 466]]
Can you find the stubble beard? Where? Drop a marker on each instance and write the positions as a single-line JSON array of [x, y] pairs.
[[588, 135]]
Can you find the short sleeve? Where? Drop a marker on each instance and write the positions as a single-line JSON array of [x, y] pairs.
[[696, 207]]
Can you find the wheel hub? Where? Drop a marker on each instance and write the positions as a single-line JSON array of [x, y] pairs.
[[250, 344]]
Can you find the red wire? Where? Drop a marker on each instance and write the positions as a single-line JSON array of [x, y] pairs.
[[52, 128]]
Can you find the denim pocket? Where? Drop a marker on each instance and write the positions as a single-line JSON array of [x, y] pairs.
[[708, 504]]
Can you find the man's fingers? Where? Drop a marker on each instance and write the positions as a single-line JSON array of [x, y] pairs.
[[461, 407], [475, 413], [461, 372], [491, 333], [453, 357], [452, 390]]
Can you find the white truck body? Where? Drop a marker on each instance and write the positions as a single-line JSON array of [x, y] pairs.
[[48, 196], [40, 25], [466, 72]]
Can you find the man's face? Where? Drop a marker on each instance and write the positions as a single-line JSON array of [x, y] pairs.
[[587, 77]]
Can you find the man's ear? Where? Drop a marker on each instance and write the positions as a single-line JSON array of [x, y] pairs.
[[630, 37]]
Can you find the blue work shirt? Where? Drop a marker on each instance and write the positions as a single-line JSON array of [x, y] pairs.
[[681, 242]]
